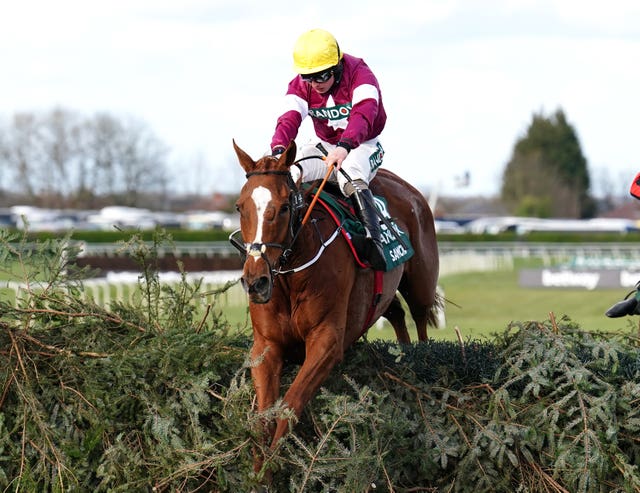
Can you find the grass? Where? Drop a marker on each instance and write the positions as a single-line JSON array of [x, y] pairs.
[[490, 301], [483, 303]]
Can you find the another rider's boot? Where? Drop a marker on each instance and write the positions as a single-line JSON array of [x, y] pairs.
[[365, 209], [630, 306]]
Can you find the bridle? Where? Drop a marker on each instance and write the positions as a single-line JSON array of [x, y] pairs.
[[296, 206]]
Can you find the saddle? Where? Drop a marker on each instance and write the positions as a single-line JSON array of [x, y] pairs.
[[396, 243]]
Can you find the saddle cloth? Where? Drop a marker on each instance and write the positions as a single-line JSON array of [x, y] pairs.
[[396, 243]]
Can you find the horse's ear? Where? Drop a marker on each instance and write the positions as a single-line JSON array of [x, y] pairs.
[[289, 155], [245, 160]]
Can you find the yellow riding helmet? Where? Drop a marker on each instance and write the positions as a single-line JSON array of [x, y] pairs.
[[315, 51]]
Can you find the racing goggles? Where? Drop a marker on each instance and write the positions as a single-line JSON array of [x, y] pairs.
[[319, 77]]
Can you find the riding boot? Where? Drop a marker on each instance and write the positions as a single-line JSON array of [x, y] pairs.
[[629, 306], [365, 209]]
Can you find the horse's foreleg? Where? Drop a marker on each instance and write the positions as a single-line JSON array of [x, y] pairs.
[[266, 368], [323, 351]]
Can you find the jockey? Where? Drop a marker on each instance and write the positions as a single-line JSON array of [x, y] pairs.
[[628, 306], [342, 96]]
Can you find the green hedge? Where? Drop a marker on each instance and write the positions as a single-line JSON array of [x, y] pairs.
[[117, 236], [545, 237]]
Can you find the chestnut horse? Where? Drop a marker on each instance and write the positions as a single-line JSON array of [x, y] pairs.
[[308, 299]]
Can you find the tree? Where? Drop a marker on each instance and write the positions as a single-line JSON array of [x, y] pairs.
[[141, 163], [127, 160], [59, 135], [61, 158], [21, 153], [547, 174]]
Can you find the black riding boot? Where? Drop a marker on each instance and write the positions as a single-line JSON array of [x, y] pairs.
[[628, 306], [365, 209]]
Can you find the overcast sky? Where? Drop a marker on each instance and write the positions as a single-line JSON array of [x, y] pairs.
[[460, 79]]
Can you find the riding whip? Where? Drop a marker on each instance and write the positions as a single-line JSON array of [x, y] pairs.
[[317, 194]]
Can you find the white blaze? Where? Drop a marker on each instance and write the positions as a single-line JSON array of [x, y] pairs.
[[261, 197]]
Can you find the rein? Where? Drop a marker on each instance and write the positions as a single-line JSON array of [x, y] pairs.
[[324, 245]]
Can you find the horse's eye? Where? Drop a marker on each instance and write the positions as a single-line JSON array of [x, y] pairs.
[[237, 208], [284, 209]]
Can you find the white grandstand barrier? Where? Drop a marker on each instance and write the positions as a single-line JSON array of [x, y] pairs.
[[123, 286], [458, 262]]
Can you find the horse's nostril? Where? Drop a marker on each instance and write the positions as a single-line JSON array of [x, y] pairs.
[[261, 285], [259, 290]]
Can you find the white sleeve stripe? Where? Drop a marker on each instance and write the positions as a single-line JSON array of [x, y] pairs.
[[365, 91], [295, 103]]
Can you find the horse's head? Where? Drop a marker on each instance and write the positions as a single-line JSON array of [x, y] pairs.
[[269, 205]]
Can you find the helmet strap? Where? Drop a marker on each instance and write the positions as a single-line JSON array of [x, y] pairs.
[[337, 74]]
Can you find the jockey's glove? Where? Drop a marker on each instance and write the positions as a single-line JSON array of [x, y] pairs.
[[277, 150]]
